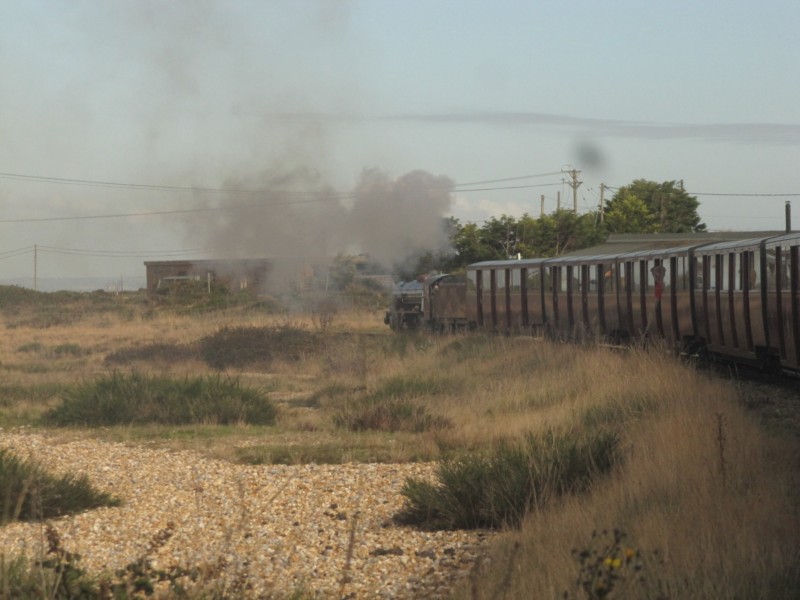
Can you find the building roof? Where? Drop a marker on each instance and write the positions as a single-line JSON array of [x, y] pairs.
[[623, 243]]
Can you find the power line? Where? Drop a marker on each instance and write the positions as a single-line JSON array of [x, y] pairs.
[[511, 187], [146, 186], [508, 179], [162, 212], [118, 253]]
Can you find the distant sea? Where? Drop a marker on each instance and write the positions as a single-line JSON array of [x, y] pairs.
[[79, 284]]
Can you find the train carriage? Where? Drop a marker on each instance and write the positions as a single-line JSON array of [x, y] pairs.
[[506, 294], [781, 290], [729, 298], [582, 296], [737, 299], [655, 294]]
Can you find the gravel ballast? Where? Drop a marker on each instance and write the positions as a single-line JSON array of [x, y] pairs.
[[271, 531]]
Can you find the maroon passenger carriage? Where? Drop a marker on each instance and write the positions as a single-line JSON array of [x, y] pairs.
[[737, 299]]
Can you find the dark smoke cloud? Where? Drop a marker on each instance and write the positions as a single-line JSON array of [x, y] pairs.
[[299, 220]]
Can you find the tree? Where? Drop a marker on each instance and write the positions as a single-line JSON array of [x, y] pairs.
[[651, 207], [527, 237], [629, 214]]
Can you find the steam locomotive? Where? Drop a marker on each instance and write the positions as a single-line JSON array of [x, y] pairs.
[[735, 299]]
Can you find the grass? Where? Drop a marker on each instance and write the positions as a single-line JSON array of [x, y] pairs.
[[552, 444], [120, 399], [497, 490], [31, 494]]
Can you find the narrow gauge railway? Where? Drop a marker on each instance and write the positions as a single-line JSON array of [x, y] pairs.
[[738, 300]]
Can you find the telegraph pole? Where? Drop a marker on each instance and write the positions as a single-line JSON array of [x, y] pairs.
[[788, 211], [602, 202], [574, 184], [541, 210], [35, 266]]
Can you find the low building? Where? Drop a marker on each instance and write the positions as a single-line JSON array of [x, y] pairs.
[[234, 274]]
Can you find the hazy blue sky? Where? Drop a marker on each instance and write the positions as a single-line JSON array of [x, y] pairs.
[[282, 99]]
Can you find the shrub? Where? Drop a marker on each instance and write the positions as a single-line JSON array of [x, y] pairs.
[[245, 346], [159, 352], [68, 349], [29, 493], [496, 490], [121, 399], [394, 414]]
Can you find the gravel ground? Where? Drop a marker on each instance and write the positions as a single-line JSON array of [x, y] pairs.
[[279, 529]]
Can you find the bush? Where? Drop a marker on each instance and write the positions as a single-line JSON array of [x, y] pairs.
[[29, 494], [158, 352], [497, 490], [137, 399], [394, 414], [246, 346]]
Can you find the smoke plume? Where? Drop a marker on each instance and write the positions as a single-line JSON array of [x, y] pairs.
[[295, 219]]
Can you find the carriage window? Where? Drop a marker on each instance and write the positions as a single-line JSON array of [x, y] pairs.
[[740, 269], [500, 278], [705, 274], [551, 279], [575, 279], [565, 273], [658, 271], [637, 276], [772, 282], [515, 279], [592, 283], [724, 277], [472, 279], [609, 277], [682, 266], [535, 279], [753, 266]]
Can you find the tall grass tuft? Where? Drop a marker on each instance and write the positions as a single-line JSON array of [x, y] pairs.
[[393, 414], [247, 346], [28, 493], [121, 399], [497, 490]]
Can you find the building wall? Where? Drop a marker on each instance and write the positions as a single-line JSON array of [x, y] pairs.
[[233, 274]]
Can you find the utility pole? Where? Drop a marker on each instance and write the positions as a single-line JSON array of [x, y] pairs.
[[541, 210], [35, 266], [574, 184], [788, 216], [602, 202], [558, 200]]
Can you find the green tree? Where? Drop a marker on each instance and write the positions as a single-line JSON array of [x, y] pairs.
[[661, 208], [527, 237], [628, 213]]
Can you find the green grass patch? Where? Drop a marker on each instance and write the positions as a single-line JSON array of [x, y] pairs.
[[497, 489], [241, 347], [329, 453], [32, 347], [391, 414], [121, 399], [160, 353], [616, 413], [28, 493]]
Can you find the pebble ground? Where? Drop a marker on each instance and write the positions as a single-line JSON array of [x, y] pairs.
[[258, 531]]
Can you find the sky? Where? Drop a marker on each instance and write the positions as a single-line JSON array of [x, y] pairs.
[[140, 130]]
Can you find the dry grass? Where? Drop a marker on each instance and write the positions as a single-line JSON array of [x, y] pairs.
[[706, 496]]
